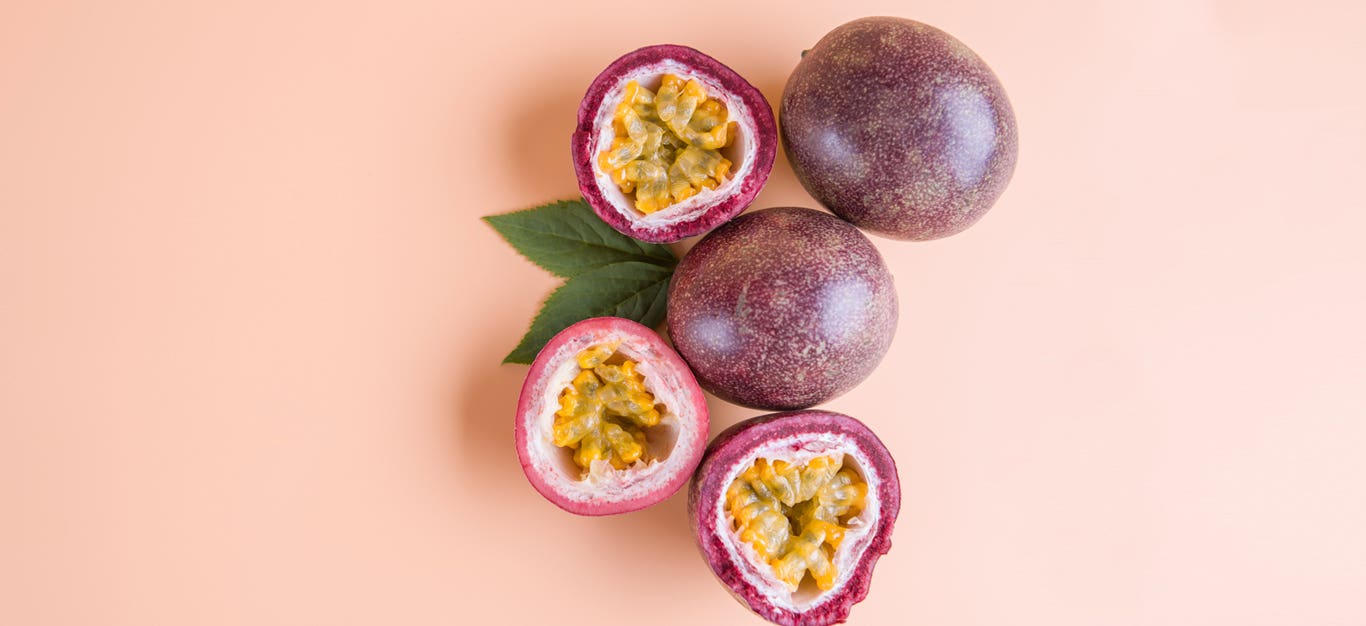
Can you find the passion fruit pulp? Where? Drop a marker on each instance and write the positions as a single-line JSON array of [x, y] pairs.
[[610, 419], [899, 128], [792, 512], [671, 143], [782, 308]]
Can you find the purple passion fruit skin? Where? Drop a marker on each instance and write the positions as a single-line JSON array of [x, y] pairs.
[[794, 438], [899, 128], [664, 410], [751, 152], [782, 308]]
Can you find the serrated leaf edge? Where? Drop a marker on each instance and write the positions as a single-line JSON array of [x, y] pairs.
[[642, 255], [513, 356]]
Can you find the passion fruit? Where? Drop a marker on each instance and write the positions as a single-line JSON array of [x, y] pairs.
[[782, 308], [610, 420], [793, 510], [671, 143], [899, 128]]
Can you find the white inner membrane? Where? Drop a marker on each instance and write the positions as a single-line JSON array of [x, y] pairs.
[[757, 572]]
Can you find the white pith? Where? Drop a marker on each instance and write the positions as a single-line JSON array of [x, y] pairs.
[[800, 449], [744, 146], [666, 445]]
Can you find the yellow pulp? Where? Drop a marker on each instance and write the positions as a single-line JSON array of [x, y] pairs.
[[794, 515], [604, 411], [667, 144]]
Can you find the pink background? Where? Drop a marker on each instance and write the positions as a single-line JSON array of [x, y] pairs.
[[250, 324]]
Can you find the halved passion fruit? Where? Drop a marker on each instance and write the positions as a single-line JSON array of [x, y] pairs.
[[610, 419], [792, 511], [671, 143]]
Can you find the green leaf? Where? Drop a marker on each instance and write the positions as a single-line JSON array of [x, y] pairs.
[[567, 239], [631, 289]]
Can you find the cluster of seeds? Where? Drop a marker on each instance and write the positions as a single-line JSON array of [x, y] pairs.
[[795, 516], [605, 410], [667, 144]]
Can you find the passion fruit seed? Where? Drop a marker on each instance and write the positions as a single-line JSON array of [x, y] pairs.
[[795, 515], [667, 144], [605, 410]]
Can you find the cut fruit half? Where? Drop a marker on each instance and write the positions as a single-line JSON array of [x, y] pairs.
[[792, 511], [670, 143], [610, 419]]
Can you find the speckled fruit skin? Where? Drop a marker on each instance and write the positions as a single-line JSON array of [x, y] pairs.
[[666, 376], [899, 128], [709, 485], [782, 308], [667, 226]]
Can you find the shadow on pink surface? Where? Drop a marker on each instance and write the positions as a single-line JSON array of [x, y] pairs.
[[485, 404], [541, 128]]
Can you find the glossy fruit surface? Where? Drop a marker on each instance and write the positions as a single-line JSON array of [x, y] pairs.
[[792, 512], [671, 143], [782, 308], [610, 420], [899, 128]]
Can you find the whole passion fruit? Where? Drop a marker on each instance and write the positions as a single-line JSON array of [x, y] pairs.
[[671, 143], [793, 510], [782, 308], [899, 128], [610, 420]]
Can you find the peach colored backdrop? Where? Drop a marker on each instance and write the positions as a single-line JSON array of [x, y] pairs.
[[250, 324]]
